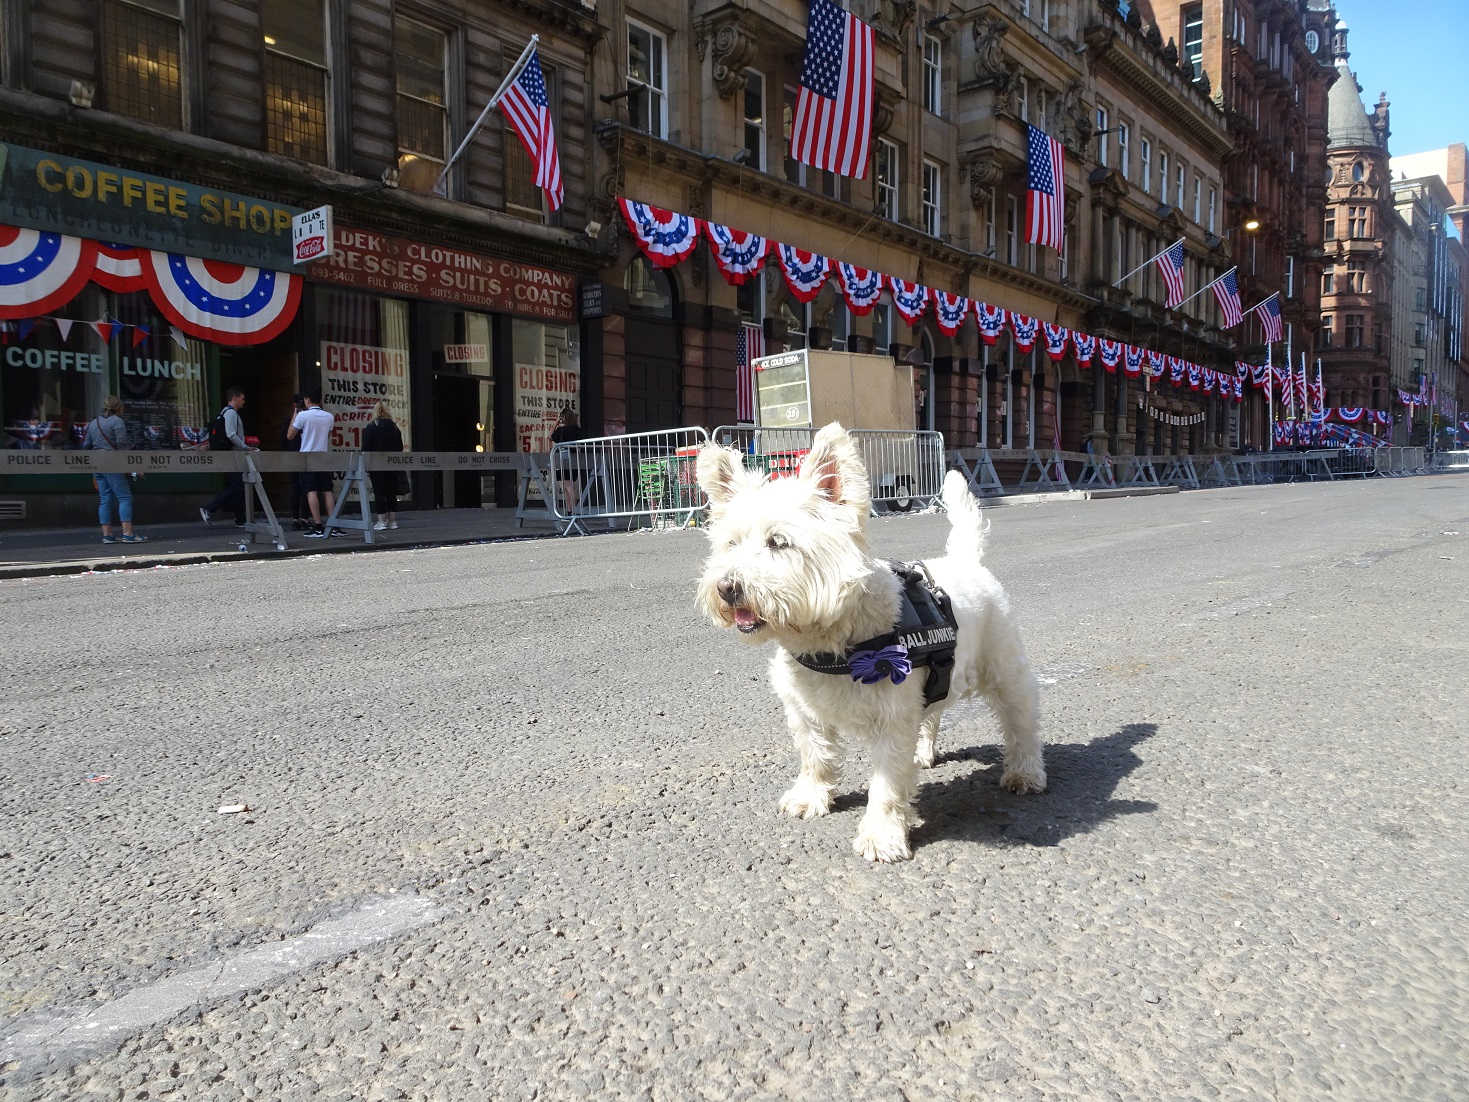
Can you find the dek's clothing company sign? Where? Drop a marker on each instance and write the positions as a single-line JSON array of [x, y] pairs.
[[49, 191], [413, 269]]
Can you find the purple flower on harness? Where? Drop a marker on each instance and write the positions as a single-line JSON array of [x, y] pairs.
[[871, 666]]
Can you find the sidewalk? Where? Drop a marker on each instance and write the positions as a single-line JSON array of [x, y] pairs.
[[35, 552]]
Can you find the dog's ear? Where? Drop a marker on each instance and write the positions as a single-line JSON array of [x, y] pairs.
[[836, 471], [720, 472]]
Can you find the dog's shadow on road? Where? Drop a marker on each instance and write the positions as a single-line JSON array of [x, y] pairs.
[[1081, 779]]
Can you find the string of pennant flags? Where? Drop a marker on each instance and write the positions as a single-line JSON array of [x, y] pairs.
[[108, 329], [667, 238]]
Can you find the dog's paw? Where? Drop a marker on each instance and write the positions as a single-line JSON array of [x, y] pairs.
[[806, 800], [883, 839], [923, 755], [1024, 779]]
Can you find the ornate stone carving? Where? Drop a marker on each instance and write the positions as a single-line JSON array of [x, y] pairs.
[[884, 103], [1203, 83], [1170, 53], [984, 174], [891, 18], [1072, 121], [1154, 36], [989, 54], [734, 48]]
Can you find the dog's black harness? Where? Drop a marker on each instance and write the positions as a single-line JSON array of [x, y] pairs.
[[924, 635]]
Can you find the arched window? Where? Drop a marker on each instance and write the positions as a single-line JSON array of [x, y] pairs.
[[649, 291], [1358, 171]]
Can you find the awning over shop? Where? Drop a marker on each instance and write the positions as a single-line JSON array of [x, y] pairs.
[[213, 300]]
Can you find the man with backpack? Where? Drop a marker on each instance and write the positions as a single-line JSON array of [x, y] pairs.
[[227, 433]]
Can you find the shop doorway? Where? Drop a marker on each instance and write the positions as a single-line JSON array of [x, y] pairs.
[[654, 355], [458, 404]]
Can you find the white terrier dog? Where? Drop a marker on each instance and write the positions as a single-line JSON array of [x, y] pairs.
[[789, 562]]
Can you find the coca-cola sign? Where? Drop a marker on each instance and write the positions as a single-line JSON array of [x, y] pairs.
[[414, 269]]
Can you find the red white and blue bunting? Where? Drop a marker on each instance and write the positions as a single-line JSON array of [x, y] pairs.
[[805, 272], [1132, 360], [665, 236], [949, 312], [1155, 362], [910, 299], [738, 255], [991, 321], [1024, 329], [1194, 380], [219, 301], [1086, 347], [120, 267], [1111, 353], [861, 287], [1057, 337], [41, 271]]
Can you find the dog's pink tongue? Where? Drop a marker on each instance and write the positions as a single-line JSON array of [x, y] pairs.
[[744, 616]]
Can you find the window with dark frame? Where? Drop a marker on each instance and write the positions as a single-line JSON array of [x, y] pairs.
[[888, 204], [647, 80], [1354, 330], [1331, 225], [296, 71], [1326, 331], [1193, 37], [933, 74], [755, 119], [420, 55], [142, 60]]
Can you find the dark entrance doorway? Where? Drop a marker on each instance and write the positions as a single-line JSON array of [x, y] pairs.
[[654, 352], [457, 402]]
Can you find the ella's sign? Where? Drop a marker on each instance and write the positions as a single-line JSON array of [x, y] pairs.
[[413, 269], [311, 235], [51, 191]]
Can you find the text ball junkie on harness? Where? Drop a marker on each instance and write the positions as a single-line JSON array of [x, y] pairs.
[[924, 635]]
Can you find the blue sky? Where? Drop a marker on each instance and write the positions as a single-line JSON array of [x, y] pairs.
[[1414, 50]]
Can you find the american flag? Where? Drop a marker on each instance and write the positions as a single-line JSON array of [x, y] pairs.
[[1170, 264], [1045, 201], [833, 123], [748, 345], [529, 111], [1226, 290], [1269, 313]]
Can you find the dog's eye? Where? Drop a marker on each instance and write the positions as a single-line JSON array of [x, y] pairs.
[[777, 543]]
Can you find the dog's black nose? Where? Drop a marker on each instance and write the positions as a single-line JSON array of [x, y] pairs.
[[731, 591]]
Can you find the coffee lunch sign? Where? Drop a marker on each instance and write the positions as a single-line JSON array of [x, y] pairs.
[[354, 379], [413, 269], [61, 194]]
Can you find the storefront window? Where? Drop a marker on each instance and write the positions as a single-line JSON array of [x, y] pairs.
[[55, 371], [363, 356], [547, 378]]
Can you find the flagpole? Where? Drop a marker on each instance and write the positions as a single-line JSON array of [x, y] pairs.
[[1259, 304], [1270, 393], [1146, 262], [515, 71], [1204, 288]]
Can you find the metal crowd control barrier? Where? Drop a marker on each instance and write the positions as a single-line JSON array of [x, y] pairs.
[[904, 468], [1098, 469], [1451, 461], [1140, 470], [1217, 474], [640, 476], [1178, 470], [1044, 470], [1351, 463], [976, 465]]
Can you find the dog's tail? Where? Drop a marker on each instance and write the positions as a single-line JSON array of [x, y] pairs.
[[966, 538]]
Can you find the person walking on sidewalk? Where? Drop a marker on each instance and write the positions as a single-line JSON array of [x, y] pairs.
[[109, 433], [314, 426], [228, 434], [383, 435]]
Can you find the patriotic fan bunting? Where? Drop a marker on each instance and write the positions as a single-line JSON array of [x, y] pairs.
[[665, 236], [991, 321], [1242, 369], [949, 311], [739, 255], [805, 272], [1175, 370], [911, 299], [1086, 347], [120, 267], [1155, 362], [1132, 360], [1260, 376], [861, 287], [1208, 378], [1024, 329], [219, 301], [1194, 380], [1239, 389], [1057, 337], [1111, 353], [1350, 414], [40, 271]]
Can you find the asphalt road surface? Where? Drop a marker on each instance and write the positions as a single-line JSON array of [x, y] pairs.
[[512, 827]]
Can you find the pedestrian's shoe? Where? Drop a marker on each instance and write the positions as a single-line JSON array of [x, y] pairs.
[[205, 517], [316, 533], [109, 539], [134, 538], [394, 526], [381, 526]]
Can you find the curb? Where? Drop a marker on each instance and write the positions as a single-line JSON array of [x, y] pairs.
[[1104, 494]]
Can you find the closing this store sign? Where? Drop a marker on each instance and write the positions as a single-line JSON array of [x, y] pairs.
[[547, 378], [354, 379]]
